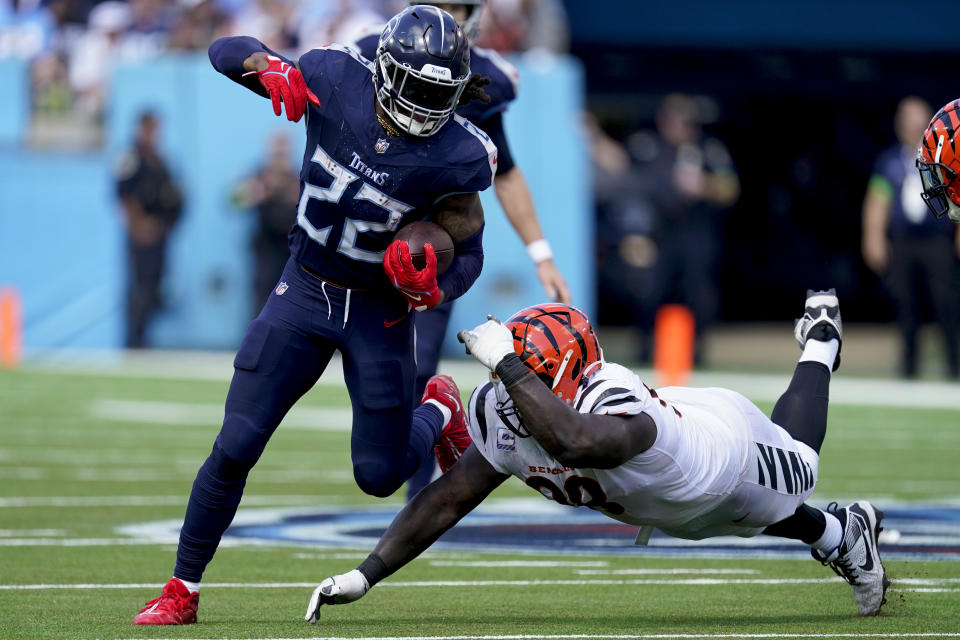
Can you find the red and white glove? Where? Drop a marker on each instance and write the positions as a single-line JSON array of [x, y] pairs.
[[419, 286], [285, 83]]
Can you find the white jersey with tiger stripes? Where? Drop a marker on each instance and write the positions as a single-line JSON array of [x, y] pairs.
[[718, 466]]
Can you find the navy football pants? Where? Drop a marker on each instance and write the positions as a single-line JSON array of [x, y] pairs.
[[283, 353]]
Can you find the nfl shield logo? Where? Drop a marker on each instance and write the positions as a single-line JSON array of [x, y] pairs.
[[281, 288], [382, 145]]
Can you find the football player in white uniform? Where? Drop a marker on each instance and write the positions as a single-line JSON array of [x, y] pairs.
[[691, 462]]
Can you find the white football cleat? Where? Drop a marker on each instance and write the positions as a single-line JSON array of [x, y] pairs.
[[857, 559], [820, 321]]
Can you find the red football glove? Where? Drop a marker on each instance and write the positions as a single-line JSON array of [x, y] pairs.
[[284, 82], [418, 286]]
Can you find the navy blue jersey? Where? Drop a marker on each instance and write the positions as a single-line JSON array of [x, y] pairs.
[[358, 186], [483, 62]]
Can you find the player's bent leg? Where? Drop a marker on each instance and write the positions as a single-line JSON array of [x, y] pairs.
[[176, 605], [802, 409], [383, 433], [274, 367], [857, 558]]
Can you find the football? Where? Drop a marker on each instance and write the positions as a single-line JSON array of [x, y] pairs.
[[420, 233]]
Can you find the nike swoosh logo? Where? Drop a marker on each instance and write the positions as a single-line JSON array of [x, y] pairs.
[[413, 297], [390, 323], [865, 522], [743, 518]]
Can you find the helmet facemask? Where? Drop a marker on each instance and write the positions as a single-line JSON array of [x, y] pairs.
[[507, 410], [419, 102], [938, 185]]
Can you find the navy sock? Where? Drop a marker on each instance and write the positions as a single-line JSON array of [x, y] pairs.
[[424, 433]]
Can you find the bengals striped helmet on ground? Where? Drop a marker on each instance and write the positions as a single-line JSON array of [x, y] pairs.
[[557, 343], [939, 163]]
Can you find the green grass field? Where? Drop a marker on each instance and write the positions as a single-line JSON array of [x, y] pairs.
[[82, 454]]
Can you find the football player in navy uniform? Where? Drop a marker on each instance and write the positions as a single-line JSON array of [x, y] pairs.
[[692, 462], [500, 84], [384, 148]]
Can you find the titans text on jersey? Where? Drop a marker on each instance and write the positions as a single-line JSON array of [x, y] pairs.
[[358, 186]]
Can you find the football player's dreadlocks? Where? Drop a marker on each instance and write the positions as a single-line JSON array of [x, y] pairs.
[[474, 90]]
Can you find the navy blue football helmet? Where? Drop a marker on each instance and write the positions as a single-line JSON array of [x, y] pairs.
[[422, 68]]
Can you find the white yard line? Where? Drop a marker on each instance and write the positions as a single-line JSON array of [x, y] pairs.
[[674, 571], [519, 563], [927, 582], [649, 636], [162, 501]]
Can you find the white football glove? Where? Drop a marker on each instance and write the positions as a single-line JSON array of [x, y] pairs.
[[489, 342], [340, 589]]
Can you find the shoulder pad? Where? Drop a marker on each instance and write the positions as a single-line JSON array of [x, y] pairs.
[[350, 51], [367, 43], [613, 389], [489, 148]]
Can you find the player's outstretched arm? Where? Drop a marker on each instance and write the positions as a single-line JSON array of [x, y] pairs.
[[576, 439], [424, 519], [249, 62], [513, 192]]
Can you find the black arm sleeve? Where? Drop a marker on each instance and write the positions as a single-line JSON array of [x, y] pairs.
[[227, 56], [465, 269], [493, 127]]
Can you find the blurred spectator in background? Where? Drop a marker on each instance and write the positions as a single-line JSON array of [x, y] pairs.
[[626, 252], [199, 23], [524, 25], [272, 192], [152, 203], [27, 29], [118, 32], [340, 21], [913, 251], [689, 181]]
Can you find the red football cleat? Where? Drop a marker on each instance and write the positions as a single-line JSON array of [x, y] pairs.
[[176, 605], [454, 438]]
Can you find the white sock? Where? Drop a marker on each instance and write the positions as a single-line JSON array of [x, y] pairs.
[[820, 351], [832, 535], [444, 409], [193, 587]]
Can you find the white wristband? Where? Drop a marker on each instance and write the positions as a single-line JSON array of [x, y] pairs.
[[539, 250]]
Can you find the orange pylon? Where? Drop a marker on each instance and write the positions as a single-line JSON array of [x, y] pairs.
[[11, 328], [673, 335]]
